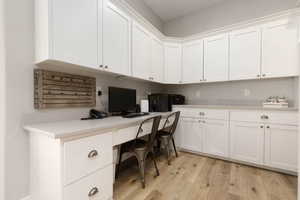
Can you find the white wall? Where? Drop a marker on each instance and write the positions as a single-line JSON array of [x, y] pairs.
[[2, 100], [147, 12], [227, 13], [233, 93], [19, 30]]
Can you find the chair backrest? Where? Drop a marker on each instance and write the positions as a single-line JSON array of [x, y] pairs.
[[154, 130], [172, 128]]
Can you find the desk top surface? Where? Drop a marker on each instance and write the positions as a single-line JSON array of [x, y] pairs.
[[76, 128]]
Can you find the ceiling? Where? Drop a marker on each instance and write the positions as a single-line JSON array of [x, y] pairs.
[[170, 9]]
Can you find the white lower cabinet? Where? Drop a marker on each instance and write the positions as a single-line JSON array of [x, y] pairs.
[[98, 186], [216, 137], [247, 142], [191, 134], [281, 146]]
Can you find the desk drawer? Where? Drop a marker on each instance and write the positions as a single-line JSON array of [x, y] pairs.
[[282, 117], [126, 134], [97, 186], [246, 116], [204, 113], [84, 156]]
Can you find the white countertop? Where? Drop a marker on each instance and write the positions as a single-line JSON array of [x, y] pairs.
[[76, 128], [235, 107]]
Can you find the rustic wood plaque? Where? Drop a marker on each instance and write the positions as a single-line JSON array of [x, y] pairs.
[[62, 90]]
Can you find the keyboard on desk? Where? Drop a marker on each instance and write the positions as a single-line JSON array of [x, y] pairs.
[[133, 115]]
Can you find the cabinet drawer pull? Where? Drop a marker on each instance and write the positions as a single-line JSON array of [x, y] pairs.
[[93, 154], [101, 66], [93, 192], [268, 126], [261, 126], [106, 67]]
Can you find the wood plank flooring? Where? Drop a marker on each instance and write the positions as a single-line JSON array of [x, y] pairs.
[[193, 177]]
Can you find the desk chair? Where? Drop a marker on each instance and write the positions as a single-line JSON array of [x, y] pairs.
[[166, 134], [140, 149]]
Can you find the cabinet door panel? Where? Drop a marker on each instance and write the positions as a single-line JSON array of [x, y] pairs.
[[216, 137], [141, 52], [116, 43], [245, 54], [247, 142], [280, 49], [216, 56], [281, 147], [192, 62], [157, 64], [75, 40], [173, 58], [191, 135]]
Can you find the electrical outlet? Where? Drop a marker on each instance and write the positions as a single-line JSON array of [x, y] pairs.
[[247, 92]]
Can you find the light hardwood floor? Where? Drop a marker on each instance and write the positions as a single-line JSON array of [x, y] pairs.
[[193, 177]]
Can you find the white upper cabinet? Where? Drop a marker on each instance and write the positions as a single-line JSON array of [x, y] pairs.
[[116, 40], [281, 146], [173, 59], [192, 62], [245, 54], [216, 56], [157, 61], [280, 49], [67, 31], [141, 52]]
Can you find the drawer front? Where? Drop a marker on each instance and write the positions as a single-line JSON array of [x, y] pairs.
[[204, 113], [97, 186], [124, 135], [246, 116], [288, 118], [87, 155]]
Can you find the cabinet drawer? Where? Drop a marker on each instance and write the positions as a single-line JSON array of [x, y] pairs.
[[97, 186], [204, 113], [278, 117], [246, 116], [127, 134], [84, 156]]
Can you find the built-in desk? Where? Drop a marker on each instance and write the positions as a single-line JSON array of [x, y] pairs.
[[73, 160]]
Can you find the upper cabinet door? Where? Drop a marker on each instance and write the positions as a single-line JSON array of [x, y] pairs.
[[141, 52], [117, 40], [216, 56], [75, 31], [280, 49], [192, 62], [245, 54], [173, 59], [157, 64]]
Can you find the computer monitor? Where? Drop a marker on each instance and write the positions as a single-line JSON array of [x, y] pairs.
[[121, 100]]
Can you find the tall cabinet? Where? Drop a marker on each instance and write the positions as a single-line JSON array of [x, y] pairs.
[[116, 40]]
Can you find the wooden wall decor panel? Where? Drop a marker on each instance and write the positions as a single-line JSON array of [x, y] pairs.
[[62, 90]]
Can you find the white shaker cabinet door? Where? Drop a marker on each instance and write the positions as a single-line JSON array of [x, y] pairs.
[[247, 142], [191, 135], [141, 52], [216, 56], [192, 62], [157, 61], [116, 40], [280, 49], [245, 54], [75, 31], [281, 147], [173, 59], [216, 137]]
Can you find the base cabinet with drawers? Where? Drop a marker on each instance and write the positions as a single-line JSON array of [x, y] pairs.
[[262, 138]]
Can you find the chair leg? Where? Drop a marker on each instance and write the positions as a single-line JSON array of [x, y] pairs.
[[174, 147], [141, 161], [119, 163], [155, 164], [167, 149]]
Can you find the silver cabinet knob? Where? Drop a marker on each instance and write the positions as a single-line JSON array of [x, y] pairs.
[[106, 67], [101, 66], [93, 154], [264, 75], [258, 75], [93, 192], [261, 126], [268, 126]]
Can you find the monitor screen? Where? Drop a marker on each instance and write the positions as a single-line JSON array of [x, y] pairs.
[[121, 100]]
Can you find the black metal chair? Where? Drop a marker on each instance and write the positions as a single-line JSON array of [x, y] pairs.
[[141, 148], [166, 134]]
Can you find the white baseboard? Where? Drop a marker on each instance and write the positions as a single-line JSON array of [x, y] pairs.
[[26, 198]]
